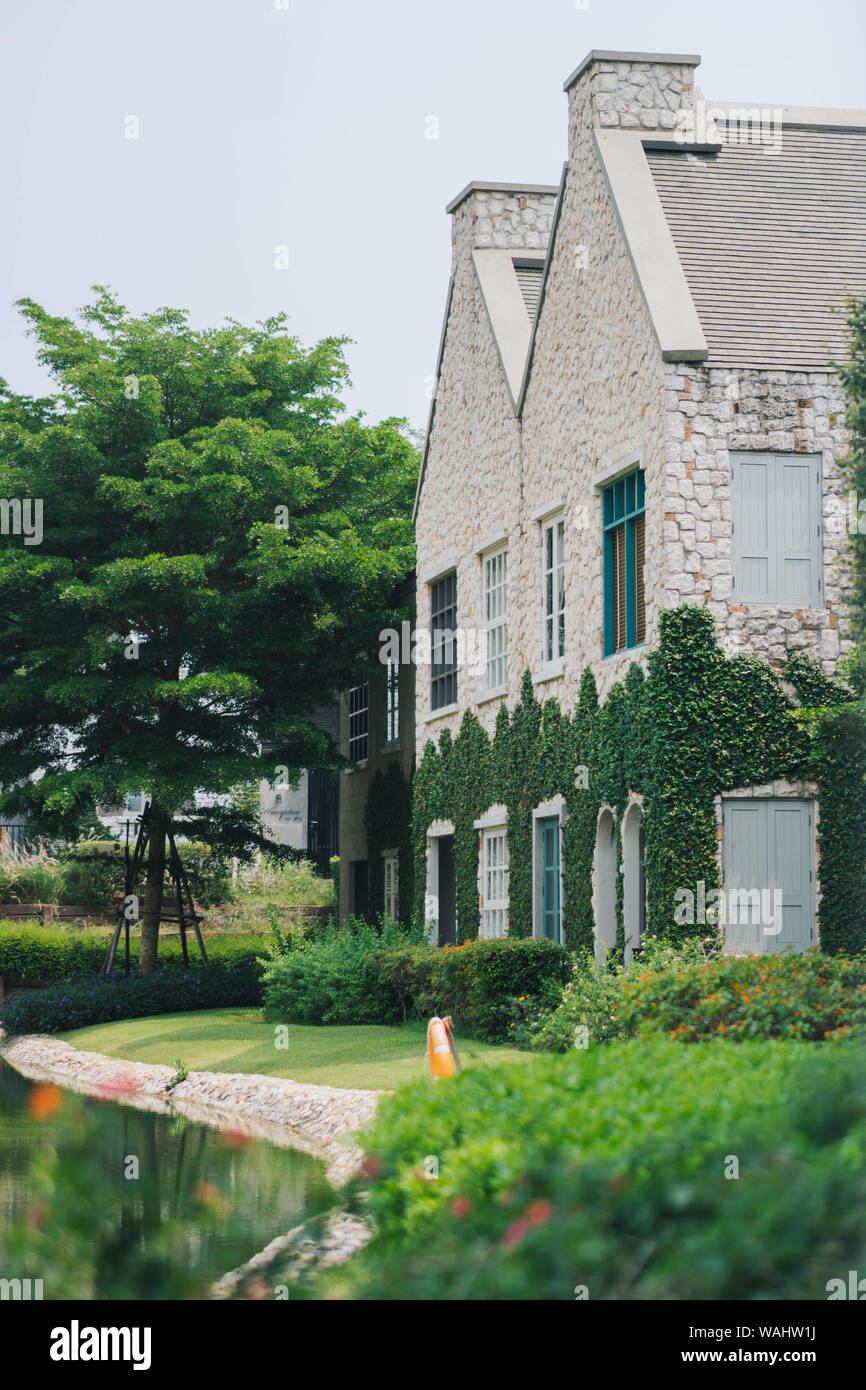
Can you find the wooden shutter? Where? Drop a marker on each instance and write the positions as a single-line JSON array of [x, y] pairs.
[[752, 562], [619, 589], [798, 529], [639, 595]]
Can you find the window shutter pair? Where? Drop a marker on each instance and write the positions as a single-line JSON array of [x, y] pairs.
[[776, 528]]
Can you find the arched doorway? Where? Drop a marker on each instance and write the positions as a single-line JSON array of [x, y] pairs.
[[634, 880], [605, 884]]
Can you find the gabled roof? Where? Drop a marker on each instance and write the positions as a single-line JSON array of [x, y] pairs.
[[770, 238]]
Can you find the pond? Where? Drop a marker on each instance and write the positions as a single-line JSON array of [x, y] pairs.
[[100, 1200]]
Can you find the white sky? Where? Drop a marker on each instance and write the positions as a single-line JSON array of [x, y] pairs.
[[304, 126]]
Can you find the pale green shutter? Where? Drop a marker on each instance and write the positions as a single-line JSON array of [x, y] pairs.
[[752, 559], [798, 529]]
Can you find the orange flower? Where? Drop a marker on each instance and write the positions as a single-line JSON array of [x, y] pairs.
[[44, 1100]]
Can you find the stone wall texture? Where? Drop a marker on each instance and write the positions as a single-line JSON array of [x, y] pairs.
[[599, 398]]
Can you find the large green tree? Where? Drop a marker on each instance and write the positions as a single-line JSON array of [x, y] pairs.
[[219, 545]]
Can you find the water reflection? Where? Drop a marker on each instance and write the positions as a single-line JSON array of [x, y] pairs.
[[100, 1200]]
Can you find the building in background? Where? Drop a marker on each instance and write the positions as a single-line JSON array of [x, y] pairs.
[[377, 733]]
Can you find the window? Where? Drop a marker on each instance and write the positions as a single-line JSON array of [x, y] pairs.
[[494, 882], [549, 871], [624, 552], [392, 886], [359, 722], [495, 617], [776, 529], [443, 629], [134, 803], [392, 704], [553, 581]]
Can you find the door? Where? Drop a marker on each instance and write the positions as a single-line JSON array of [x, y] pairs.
[[447, 895], [360, 882], [550, 914], [767, 860]]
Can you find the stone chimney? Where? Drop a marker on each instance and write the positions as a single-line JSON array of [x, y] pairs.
[[632, 91], [508, 216]]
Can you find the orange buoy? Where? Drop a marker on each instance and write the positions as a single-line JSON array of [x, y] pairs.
[[441, 1052]]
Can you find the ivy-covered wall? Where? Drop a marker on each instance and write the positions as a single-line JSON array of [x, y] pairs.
[[696, 725]]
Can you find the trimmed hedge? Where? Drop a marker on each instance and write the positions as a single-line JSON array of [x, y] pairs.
[[608, 1174], [42, 954], [478, 984], [169, 991]]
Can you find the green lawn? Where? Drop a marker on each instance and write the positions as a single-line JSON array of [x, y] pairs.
[[240, 1040]]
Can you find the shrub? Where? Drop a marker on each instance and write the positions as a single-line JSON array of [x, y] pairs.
[[480, 982], [809, 996], [607, 1169], [490, 988], [35, 954], [329, 977], [593, 998], [169, 991], [93, 873]]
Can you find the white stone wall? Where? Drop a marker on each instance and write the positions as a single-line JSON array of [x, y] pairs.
[[472, 483], [710, 412]]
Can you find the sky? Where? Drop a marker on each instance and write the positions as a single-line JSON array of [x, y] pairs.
[[237, 158]]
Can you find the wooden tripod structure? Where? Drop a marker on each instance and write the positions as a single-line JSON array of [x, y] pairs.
[[186, 913]]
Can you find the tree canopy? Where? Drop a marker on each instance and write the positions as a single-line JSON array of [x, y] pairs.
[[218, 545]]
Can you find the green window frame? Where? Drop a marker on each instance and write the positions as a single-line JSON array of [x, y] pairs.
[[624, 541]]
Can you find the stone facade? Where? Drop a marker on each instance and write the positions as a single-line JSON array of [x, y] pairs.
[[599, 398], [710, 413]]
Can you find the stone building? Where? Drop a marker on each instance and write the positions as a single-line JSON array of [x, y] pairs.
[[636, 407]]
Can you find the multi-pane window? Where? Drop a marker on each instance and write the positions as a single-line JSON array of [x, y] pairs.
[[392, 703], [494, 882], [553, 582], [443, 640], [495, 617], [359, 722], [392, 886], [776, 529], [624, 551]]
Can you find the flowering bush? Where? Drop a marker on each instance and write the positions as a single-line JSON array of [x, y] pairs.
[[591, 1006], [810, 996]]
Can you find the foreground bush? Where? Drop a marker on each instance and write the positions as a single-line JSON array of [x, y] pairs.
[[611, 1171], [169, 991], [810, 996], [36, 954]]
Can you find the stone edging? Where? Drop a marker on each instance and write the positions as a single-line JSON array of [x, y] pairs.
[[290, 1114]]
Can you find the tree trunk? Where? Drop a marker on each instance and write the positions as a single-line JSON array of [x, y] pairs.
[[153, 889]]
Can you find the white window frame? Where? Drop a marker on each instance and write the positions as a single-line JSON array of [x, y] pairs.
[[554, 527], [494, 601], [359, 731], [391, 879], [493, 880], [392, 704]]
